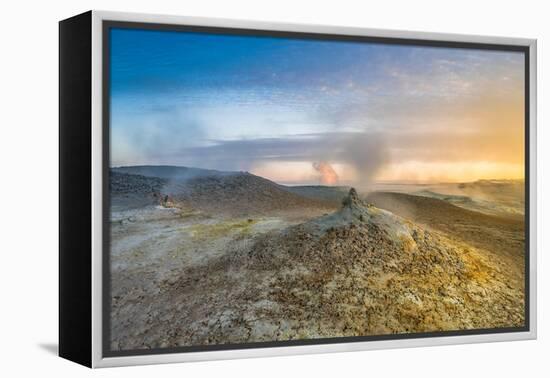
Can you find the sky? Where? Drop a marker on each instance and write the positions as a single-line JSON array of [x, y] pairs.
[[300, 111]]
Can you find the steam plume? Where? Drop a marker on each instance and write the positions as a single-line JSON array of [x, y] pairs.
[[367, 154], [328, 175]]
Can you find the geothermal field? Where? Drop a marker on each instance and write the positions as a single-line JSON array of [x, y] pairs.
[[203, 257]]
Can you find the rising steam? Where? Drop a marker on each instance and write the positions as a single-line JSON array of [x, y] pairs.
[[365, 153], [328, 175]]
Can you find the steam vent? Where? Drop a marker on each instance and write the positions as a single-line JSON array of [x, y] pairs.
[[283, 263], [352, 199]]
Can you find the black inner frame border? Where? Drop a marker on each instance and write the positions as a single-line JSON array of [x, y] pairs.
[[107, 25]]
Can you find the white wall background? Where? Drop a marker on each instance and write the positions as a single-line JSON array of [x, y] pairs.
[[28, 189]]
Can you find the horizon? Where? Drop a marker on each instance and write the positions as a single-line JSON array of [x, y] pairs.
[[318, 183], [299, 111]]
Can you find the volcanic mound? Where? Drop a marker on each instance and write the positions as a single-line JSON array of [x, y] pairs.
[[359, 271]]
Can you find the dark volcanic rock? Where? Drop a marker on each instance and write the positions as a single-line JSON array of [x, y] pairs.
[[123, 183], [133, 191]]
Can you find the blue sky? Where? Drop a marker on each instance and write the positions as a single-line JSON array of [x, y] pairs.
[[275, 106]]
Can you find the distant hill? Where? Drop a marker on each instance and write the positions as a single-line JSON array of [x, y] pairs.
[[239, 193], [334, 194], [211, 191], [482, 230], [501, 190], [129, 191], [169, 171]]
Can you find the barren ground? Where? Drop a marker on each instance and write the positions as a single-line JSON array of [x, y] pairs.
[[196, 275]]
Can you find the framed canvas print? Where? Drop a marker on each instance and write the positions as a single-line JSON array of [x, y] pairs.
[[235, 189]]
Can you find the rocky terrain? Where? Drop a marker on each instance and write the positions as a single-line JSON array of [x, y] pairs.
[[240, 194], [212, 192], [503, 198], [129, 191], [188, 272], [501, 235]]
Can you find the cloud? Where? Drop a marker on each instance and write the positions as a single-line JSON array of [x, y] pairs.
[[365, 152], [364, 107]]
